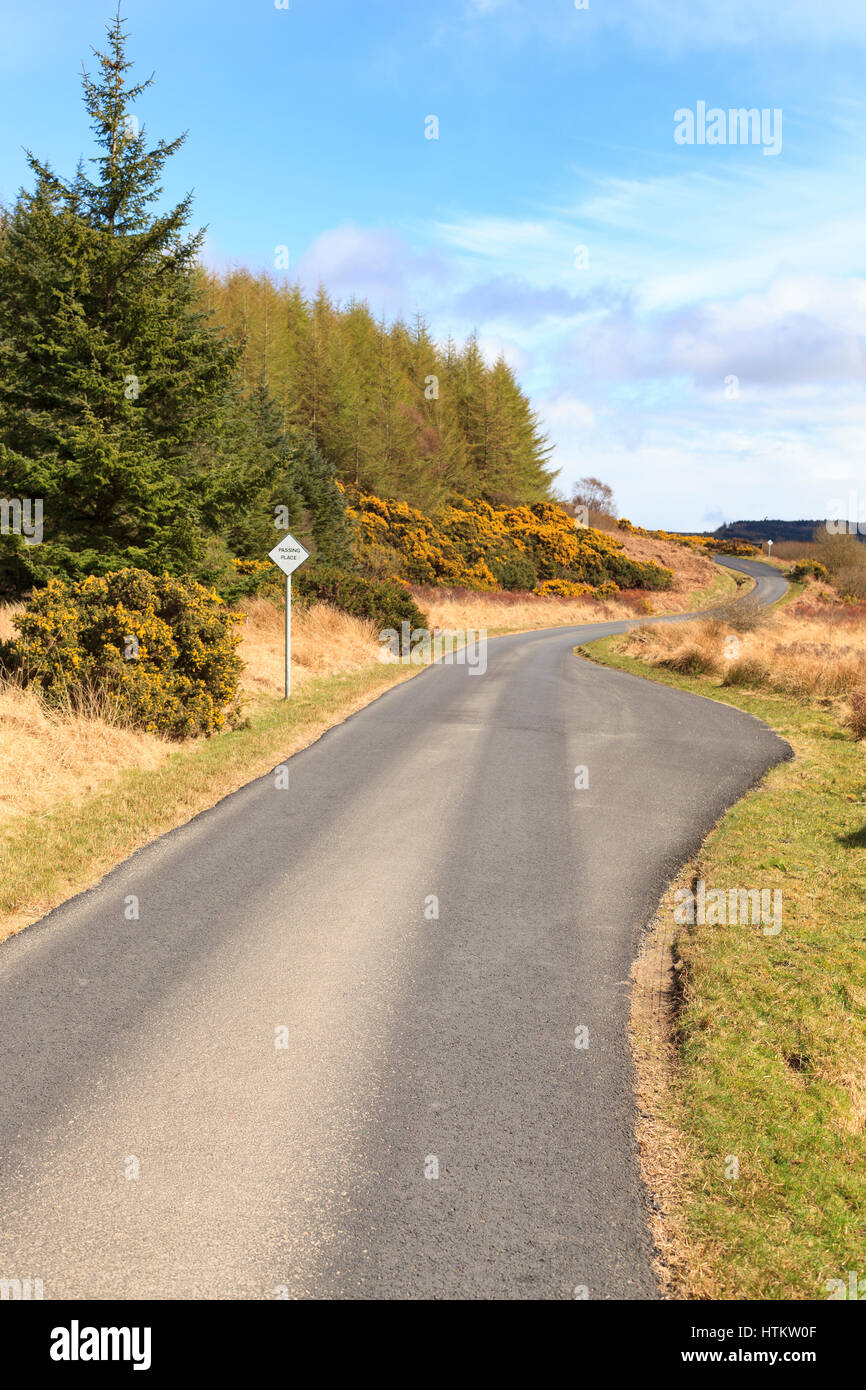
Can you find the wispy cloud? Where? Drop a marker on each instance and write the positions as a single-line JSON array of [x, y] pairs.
[[675, 26], [375, 264]]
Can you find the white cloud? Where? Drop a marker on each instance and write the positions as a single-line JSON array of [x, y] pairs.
[[375, 264], [566, 412], [686, 24], [695, 274], [685, 234], [493, 348], [681, 25]]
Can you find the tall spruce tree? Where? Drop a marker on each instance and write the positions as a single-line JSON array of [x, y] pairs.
[[111, 378]]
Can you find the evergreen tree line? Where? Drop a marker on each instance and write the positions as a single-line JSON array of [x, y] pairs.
[[161, 414], [396, 413]]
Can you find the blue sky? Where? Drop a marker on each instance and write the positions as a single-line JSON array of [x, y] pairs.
[[705, 354]]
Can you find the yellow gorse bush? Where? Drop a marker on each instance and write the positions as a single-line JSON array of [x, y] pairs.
[[563, 588], [162, 650], [475, 545], [734, 545]]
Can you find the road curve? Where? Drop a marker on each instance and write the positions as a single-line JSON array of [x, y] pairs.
[[414, 1044], [769, 584]]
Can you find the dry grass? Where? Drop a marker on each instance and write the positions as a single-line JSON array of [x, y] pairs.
[[324, 641], [691, 648], [464, 609], [7, 615], [692, 570], [48, 755], [800, 651], [795, 550], [856, 716]]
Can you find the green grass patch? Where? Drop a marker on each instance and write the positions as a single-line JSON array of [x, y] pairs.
[[722, 587], [770, 1032], [794, 590]]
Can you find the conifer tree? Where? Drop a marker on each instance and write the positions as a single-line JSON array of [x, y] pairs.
[[387, 407], [111, 379], [262, 474]]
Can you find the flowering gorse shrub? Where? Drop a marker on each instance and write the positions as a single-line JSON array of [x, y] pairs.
[[806, 569], [692, 542], [563, 588], [162, 651], [733, 545], [474, 545], [256, 578]]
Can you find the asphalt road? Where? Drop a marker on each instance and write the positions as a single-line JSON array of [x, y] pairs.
[[769, 584], [414, 1043]]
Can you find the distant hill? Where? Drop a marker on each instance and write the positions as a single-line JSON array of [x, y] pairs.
[[772, 530], [759, 531]]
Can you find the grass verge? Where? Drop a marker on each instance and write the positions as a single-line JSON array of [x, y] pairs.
[[794, 590], [724, 586], [750, 1049], [48, 857]]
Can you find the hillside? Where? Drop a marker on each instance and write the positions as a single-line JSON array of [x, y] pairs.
[[693, 572]]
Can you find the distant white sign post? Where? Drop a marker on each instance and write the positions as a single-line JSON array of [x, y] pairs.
[[288, 554], [770, 545]]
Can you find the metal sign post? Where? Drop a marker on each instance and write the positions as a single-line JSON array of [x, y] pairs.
[[288, 635], [288, 554]]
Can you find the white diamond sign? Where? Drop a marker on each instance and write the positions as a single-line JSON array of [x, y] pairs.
[[288, 554]]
